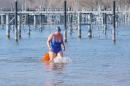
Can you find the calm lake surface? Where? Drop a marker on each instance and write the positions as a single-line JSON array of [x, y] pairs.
[[95, 62]]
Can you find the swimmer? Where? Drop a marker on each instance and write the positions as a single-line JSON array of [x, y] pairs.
[[55, 44]]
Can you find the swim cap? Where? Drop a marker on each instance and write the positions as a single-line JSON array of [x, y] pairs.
[[58, 29]]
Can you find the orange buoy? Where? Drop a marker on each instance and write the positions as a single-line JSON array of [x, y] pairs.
[[46, 57]]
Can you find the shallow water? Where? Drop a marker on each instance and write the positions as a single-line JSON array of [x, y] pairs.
[[95, 62]]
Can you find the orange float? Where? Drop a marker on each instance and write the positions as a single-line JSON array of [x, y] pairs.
[[46, 57]]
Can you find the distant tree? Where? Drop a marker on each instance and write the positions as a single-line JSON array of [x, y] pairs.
[[31, 2], [88, 3], [128, 2]]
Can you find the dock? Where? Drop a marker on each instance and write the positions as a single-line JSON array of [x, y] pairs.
[[74, 19]]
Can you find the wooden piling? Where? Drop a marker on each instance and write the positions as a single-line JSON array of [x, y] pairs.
[[2, 22], [28, 29], [16, 29], [104, 22], [79, 25], [70, 29], [113, 29], [28, 25], [19, 25], [65, 27], [89, 31], [34, 21], [12, 23], [7, 26], [40, 21]]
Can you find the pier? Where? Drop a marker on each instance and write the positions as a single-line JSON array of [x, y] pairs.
[[71, 19]]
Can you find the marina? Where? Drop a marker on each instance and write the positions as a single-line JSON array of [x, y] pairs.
[[97, 47], [71, 19]]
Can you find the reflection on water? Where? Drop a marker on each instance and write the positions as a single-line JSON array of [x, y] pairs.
[[50, 82], [53, 66], [52, 79]]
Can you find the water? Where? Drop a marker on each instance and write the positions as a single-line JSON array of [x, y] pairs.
[[95, 62]]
